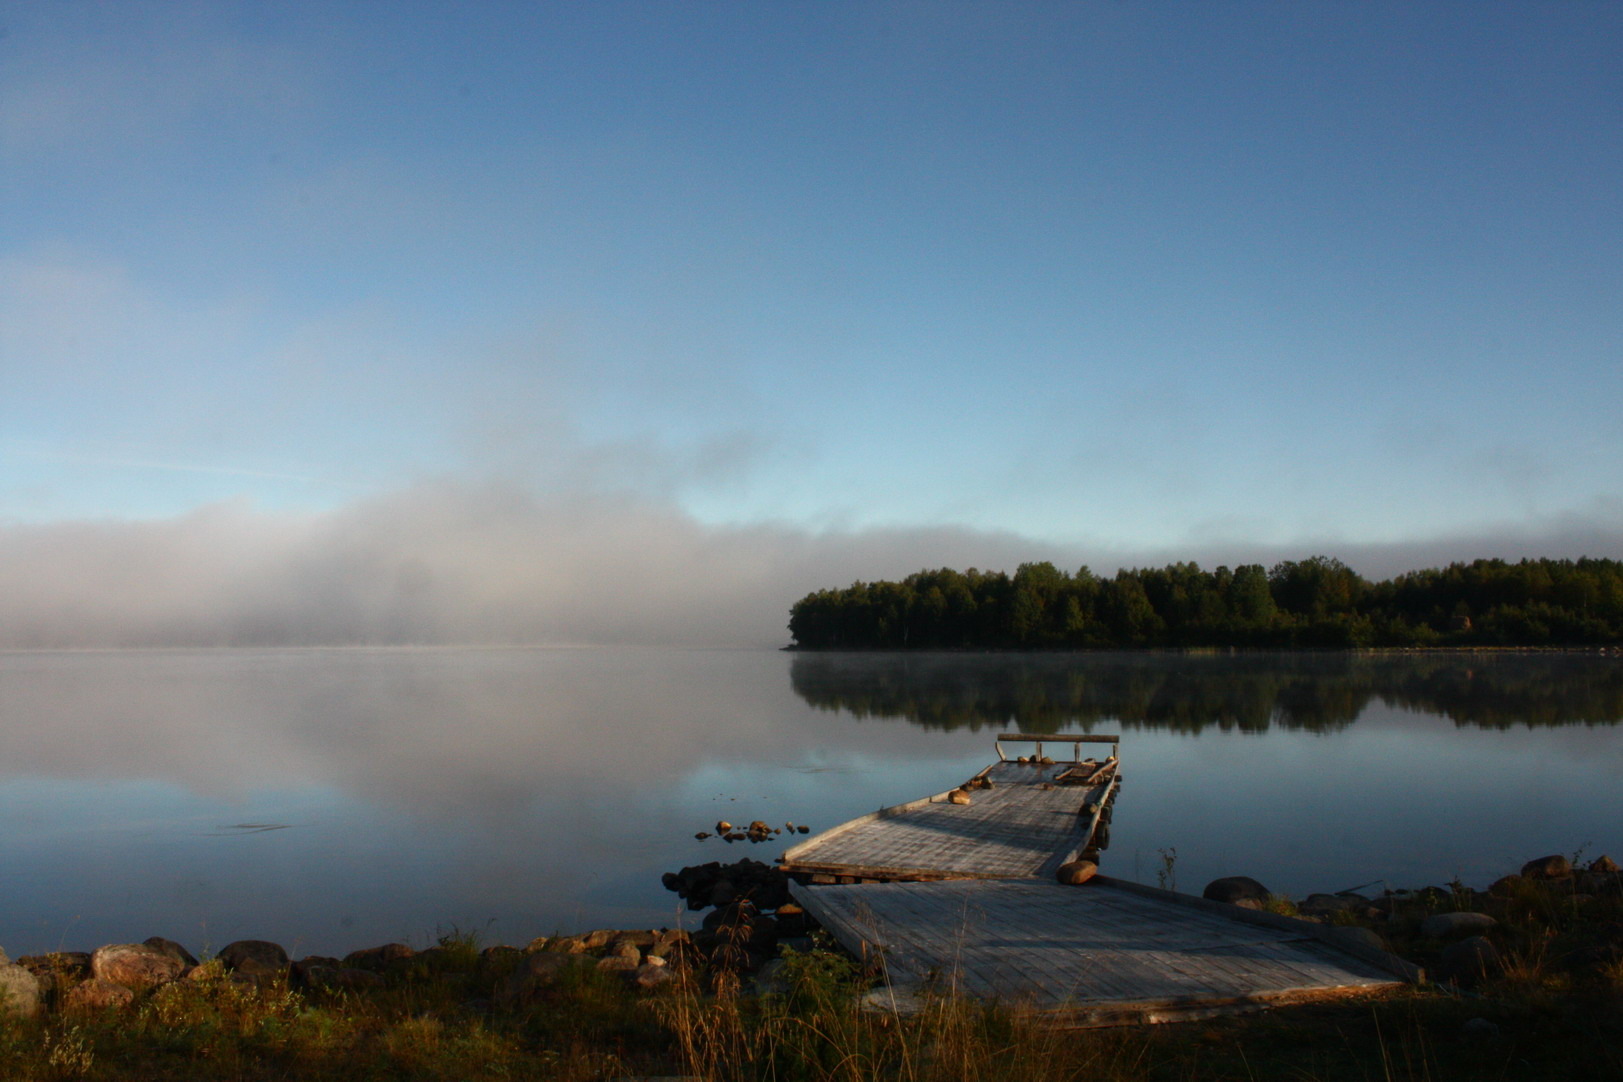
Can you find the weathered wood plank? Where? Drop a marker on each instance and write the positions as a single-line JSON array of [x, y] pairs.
[[1079, 951]]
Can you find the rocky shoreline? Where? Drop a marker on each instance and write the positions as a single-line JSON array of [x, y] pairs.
[[1569, 913]]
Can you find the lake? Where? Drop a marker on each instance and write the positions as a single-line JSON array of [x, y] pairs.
[[336, 799]]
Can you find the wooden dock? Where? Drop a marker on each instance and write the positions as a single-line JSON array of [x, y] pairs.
[[962, 897], [1022, 818]]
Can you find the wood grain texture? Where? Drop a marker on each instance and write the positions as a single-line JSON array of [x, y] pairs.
[[1025, 825], [1087, 954]]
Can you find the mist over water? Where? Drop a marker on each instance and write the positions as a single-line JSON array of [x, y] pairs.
[[465, 562], [337, 798]]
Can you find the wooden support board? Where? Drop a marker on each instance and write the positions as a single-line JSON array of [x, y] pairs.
[[1099, 954], [1016, 828]]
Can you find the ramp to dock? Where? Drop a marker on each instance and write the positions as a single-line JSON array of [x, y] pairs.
[[1027, 823], [1105, 953]]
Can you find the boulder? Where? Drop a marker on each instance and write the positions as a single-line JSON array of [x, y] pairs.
[[1604, 863], [1550, 867], [20, 991], [342, 978], [1076, 872], [1353, 935], [1469, 960], [135, 965], [378, 958], [96, 994], [171, 948], [1505, 886], [1239, 890], [254, 957], [1455, 925], [649, 976]]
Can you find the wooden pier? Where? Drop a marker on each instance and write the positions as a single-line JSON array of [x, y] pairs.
[[962, 897]]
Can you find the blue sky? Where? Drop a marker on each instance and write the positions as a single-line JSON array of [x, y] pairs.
[[1132, 280]]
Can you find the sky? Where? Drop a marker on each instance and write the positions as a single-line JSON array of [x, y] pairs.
[[636, 321]]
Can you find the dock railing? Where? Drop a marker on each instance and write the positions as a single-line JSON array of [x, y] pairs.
[[1076, 740]]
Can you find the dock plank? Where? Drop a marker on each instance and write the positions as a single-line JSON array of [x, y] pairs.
[[1025, 825], [1078, 953]]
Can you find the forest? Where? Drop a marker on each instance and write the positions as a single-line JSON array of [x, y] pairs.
[[1318, 602]]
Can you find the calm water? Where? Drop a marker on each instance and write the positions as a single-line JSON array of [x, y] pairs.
[[333, 799]]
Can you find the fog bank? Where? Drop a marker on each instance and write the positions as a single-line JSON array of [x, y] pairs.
[[444, 563]]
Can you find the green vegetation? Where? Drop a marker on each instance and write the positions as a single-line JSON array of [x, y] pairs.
[[1317, 602]]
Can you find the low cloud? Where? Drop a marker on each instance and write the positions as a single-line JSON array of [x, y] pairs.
[[453, 562]]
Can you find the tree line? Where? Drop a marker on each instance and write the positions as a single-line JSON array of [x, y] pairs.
[[1317, 602]]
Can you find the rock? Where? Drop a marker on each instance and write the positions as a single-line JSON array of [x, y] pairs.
[[598, 937], [1601, 883], [1454, 925], [57, 968], [1352, 935], [538, 971], [616, 963], [171, 948], [804, 829], [958, 796], [1469, 960], [1239, 890], [1325, 903], [378, 959], [539, 943], [723, 827], [96, 994], [299, 972], [1504, 886], [1551, 867], [135, 965], [1076, 872], [20, 991], [1604, 863], [254, 957], [649, 976], [343, 978]]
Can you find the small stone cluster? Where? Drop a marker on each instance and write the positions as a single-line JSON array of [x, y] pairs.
[[756, 832], [1456, 931], [752, 911]]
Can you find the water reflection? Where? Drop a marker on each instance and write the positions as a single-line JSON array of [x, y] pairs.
[[332, 799], [1190, 693]]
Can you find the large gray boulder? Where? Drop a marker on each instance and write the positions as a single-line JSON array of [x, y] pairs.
[[20, 992]]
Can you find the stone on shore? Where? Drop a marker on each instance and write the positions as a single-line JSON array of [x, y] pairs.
[[20, 990], [135, 965], [96, 994], [1453, 925], [1469, 960], [171, 948], [378, 958], [1239, 890], [1550, 867]]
